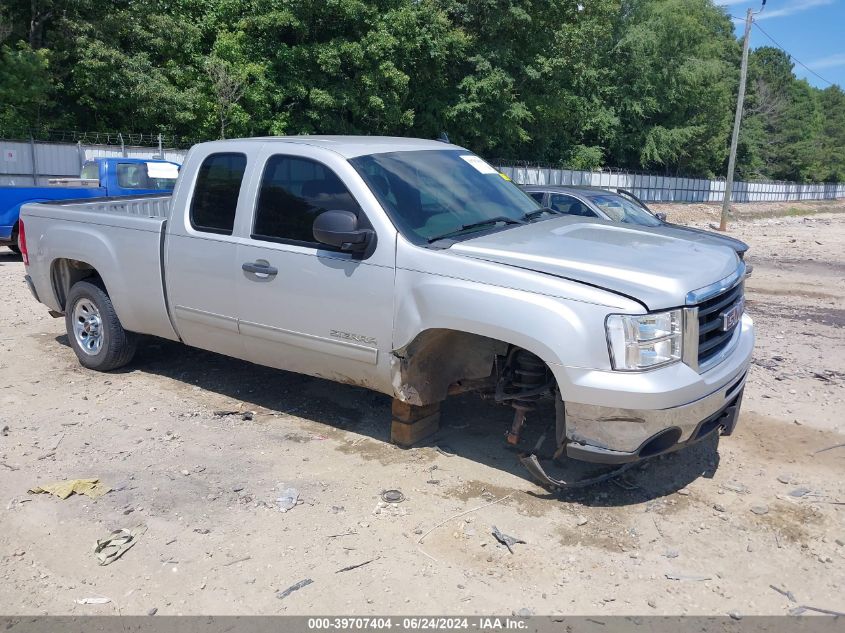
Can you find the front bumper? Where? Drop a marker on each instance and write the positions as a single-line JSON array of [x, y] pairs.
[[673, 435], [660, 411]]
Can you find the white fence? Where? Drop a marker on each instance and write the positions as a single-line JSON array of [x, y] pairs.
[[669, 189], [27, 163], [24, 164]]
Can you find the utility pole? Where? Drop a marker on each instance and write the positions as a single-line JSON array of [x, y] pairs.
[[743, 73]]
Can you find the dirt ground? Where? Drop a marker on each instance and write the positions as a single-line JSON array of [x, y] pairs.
[[749, 524], [702, 214]]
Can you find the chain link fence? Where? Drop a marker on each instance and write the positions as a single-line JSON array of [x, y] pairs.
[[34, 162], [128, 139]]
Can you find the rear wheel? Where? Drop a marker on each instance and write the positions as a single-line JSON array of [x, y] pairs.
[[95, 332], [15, 246]]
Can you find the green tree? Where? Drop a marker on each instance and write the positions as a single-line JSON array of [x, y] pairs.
[[782, 128], [26, 89], [677, 63], [627, 83], [770, 81], [536, 79], [342, 66], [798, 157], [133, 67], [832, 134]]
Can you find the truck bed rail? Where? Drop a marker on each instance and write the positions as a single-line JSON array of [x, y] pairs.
[[152, 206]]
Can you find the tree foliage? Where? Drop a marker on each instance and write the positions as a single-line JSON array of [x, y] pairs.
[[638, 84], [677, 64]]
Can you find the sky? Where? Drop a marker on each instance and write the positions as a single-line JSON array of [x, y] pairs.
[[809, 30]]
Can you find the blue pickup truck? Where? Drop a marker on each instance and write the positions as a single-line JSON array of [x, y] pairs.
[[102, 177]]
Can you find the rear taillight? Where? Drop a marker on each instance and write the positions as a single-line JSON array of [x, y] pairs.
[[22, 243]]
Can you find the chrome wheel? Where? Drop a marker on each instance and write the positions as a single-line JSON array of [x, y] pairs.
[[87, 326]]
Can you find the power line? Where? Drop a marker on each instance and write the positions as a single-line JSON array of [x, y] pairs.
[[791, 56]]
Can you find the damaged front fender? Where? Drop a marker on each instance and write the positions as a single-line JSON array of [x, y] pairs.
[[423, 371]]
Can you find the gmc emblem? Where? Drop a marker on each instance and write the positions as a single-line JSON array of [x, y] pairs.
[[730, 318]]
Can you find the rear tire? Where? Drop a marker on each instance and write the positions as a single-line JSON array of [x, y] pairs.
[[15, 246], [94, 331]]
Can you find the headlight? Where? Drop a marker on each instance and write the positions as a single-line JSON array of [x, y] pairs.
[[644, 341]]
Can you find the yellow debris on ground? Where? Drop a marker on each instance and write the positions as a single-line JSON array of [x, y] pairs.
[[63, 489]]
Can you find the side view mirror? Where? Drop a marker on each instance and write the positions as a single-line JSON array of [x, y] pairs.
[[340, 229], [660, 216]]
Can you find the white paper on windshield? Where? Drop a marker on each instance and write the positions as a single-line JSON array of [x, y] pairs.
[[162, 170], [479, 164]]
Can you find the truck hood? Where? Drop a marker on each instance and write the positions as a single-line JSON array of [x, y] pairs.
[[703, 235], [654, 266]]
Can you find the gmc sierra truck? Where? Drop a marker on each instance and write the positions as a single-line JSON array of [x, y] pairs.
[[415, 269]]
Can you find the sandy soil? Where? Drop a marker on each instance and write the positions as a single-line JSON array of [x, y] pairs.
[[708, 530], [706, 213]]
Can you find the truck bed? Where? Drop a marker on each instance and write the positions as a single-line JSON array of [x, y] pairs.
[[11, 199], [121, 238]]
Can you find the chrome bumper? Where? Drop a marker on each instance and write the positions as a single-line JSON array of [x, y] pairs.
[[610, 435]]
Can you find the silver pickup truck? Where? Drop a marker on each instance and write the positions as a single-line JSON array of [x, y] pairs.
[[415, 269]]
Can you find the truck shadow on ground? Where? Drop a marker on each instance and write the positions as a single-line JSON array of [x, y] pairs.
[[8, 257], [471, 427]]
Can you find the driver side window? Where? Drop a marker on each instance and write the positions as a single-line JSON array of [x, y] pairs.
[[294, 191], [132, 176], [570, 206]]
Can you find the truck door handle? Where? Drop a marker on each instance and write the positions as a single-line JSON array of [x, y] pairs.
[[260, 268]]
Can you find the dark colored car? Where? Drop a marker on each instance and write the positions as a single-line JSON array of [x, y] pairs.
[[620, 205]]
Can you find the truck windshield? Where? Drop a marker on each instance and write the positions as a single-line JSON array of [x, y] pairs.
[[152, 175], [620, 209], [431, 193]]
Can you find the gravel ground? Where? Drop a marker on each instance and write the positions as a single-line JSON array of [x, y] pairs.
[[708, 530]]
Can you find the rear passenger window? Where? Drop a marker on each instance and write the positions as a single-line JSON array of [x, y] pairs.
[[294, 191], [133, 176], [90, 171], [216, 193]]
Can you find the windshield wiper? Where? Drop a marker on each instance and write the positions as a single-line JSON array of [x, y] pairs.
[[474, 225], [536, 214]]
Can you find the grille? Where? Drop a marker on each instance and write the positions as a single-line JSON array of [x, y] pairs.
[[712, 339]]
